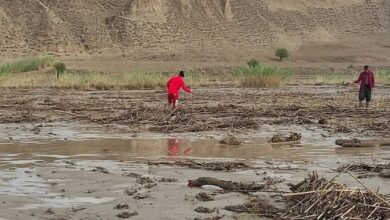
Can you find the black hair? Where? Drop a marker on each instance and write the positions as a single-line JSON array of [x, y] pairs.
[[181, 73], [366, 67]]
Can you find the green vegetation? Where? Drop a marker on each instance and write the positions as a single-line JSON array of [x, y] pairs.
[[25, 65], [261, 75], [384, 76], [84, 80], [282, 53], [60, 69]]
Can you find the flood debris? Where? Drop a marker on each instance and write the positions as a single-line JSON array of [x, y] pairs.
[[385, 173], [227, 166], [260, 207], [100, 169], [133, 175], [226, 185], [319, 198], [323, 121], [204, 197], [202, 209], [150, 185], [78, 209], [281, 138], [143, 180], [50, 211], [229, 139], [218, 217], [167, 180], [122, 206], [141, 196], [130, 192], [362, 143], [342, 129], [363, 167], [127, 214]]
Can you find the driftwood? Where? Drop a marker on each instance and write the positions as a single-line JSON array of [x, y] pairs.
[[362, 143], [214, 166], [259, 207], [226, 185]]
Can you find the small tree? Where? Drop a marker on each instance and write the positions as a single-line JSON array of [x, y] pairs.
[[253, 63], [282, 53], [60, 69]]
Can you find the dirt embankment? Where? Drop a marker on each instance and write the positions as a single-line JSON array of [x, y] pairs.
[[186, 29]]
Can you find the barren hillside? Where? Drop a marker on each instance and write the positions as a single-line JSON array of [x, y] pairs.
[[127, 27]]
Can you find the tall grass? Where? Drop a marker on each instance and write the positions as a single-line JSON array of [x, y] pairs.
[[26, 65], [384, 76], [261, 75], [94, 80]]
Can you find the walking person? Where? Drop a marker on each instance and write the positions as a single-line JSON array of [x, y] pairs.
[[367, 83], [174, 84]]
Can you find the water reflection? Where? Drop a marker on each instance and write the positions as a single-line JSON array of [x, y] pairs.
[[174, 149]]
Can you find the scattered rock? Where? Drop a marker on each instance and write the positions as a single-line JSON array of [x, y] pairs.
[[204, 197], [127, 214], [100, 169], [202, 209], [122, 206], [130, 192], [278, 138], [230, 140]]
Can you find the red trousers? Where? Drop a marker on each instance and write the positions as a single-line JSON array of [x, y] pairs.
[[172, 99]]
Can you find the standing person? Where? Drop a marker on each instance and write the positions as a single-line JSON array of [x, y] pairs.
[[174, 84], [367, 83]]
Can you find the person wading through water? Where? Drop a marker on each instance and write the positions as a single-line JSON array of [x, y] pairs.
[[367, 83], [174, 84]]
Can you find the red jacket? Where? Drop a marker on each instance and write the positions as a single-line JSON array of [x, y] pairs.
[[366, 78], [175, 83]]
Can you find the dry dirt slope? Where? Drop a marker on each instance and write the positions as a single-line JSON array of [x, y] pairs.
[[125, 26]]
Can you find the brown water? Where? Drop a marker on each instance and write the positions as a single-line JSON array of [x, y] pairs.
[[20, 155]]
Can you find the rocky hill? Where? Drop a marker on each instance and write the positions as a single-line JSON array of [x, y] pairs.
[[170, 26]]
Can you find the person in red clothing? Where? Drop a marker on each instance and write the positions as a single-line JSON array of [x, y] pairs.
[[367, 83], [174, 84]]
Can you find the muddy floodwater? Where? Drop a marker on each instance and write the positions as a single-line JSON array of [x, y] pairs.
[[71, 159]]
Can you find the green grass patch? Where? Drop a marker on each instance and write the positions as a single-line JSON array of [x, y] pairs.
[[384, 76], [261, 75], [25, 65], [84, 80]]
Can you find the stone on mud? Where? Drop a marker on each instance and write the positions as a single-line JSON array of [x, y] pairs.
[[230, 140]]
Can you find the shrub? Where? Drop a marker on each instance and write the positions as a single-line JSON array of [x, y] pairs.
[[253, 63], [60, 69], [25, 65], [282, 53], [262, 75], [384, 76]]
